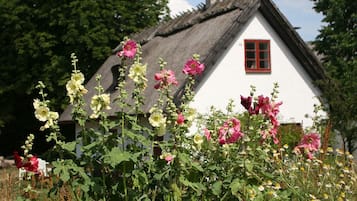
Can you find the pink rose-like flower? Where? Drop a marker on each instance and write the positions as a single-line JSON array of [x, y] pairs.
[[230, 132], [193, 67], [129, 49], [180, 119], [310, 143], [165, 78]]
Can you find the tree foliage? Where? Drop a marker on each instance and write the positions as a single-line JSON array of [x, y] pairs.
[[337, 42], [38, 37]]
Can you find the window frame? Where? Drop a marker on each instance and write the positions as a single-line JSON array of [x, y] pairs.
[[257, 58]]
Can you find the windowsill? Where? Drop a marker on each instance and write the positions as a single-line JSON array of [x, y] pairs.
[[247, 70]]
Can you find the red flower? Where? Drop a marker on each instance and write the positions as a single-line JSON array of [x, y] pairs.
[[31, 165], [193, 67], [129, 49], [230, 132], [18, 160]]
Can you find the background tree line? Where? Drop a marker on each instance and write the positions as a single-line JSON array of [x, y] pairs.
[[337, 42], [36, 41]]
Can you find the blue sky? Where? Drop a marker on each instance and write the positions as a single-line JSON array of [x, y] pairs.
[[299, 13]]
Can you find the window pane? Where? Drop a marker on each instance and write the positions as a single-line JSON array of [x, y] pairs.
[[263, 46], [264, 64], [250, 64], [263, 55], [250, 55], [249, 46]]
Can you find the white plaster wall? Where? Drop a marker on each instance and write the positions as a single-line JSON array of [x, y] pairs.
[[229, 80]]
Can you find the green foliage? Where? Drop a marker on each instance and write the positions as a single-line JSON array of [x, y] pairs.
[[37, 37], [338, 45], [221, 155]]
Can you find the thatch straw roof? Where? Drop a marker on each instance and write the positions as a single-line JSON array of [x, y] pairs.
[[207, 31]]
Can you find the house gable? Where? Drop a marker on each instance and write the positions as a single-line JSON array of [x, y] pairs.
[[228, 79]]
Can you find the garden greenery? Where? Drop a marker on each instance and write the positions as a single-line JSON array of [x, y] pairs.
[[222, 155]]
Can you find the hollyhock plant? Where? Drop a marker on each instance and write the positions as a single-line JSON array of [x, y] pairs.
[[193, 67], [165, 78], [230, 132], [129, 49], [309, 144]]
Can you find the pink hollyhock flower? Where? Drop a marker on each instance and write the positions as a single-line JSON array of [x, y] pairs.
[[310, 143], [169, 158], [193, 67], [165, 78], [207, 134], [129, 49], [180, 119], [230, 132]]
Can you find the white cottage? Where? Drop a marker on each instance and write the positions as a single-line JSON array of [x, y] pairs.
[[242, 43]]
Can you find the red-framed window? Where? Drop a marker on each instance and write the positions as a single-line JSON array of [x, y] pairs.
[[257, 56]]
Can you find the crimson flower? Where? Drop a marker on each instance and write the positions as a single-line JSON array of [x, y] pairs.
[[165, 78], [193, 67], [129, 49], [18, 160], [230, 132], [31, 165], [247, 104]]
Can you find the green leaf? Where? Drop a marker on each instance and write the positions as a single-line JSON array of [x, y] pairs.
[[217, 188], [236, 185], [69, 146], [197, 166], [117, 156]]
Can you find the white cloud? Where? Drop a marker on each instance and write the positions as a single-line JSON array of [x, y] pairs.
[[177, 6]]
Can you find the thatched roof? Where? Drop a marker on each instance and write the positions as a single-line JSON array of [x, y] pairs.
[[207, 32]]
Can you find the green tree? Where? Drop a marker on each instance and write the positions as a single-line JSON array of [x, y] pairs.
[[337, 42], [37, 39]]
